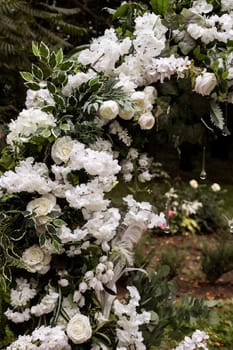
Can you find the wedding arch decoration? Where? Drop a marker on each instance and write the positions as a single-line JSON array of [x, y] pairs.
[[64, 245]]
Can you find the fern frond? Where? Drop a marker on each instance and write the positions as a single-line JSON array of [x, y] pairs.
[[216, 115], [69, 28], [44, 34], [7, 49], [63, 11]]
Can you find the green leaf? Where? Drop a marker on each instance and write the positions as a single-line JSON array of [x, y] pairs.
[[52, 60], [66, 66], [59, 56], [51, 87], [46, 133], [59, 100], [35, 49], [37, 72], [93, 82], [62, 78], [32, 86], [26, 76], [59, 222], [42, 239], [121, 11], [47, 109], [51, 229], [44, 50], [159, 7], [56, 132], [65, 127]]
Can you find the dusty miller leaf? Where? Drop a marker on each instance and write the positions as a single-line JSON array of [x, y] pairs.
[[216, 115]]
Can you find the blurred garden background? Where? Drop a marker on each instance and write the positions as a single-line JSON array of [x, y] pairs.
[[184, 163]]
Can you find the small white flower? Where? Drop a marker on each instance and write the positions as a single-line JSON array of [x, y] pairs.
[[109, 110], [193, 183], [79, 329], [215, 187]]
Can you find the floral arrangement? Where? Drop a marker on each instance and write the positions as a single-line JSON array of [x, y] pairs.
[[196, 208], [64, 246]]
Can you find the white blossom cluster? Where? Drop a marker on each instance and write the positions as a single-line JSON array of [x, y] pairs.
[[129, 322], [138, 164], [196, 341], [43, 338], [27, 124], [212, 27], [142, 212], [46, 305], [164, 67]]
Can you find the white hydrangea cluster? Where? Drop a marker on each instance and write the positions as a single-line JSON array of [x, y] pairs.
[[27, 177], [142, 212], [39, 98], [42, 338], [27, 124], [129, 321], [105, 51], [197, 341], [23, 293], [227, 5], [214, 27]]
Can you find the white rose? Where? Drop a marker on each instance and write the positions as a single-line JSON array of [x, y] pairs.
[[79, 329], [193, 183], [109, 110], [146, 121], [42, 206], [215, 187], [61, 149], [36, 259], [205, 83]]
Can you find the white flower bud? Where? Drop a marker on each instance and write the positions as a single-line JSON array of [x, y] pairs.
[[205, 83], [146, 121]]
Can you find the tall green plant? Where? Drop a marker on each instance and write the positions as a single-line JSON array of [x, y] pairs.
[[22, 22]]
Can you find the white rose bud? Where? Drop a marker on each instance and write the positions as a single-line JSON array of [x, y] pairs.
[[205, 83], [36, 259], [193, 183], [126, 114], [146, 121], [139, 99], [109, 110], [79, 329], [61, 149], [215, 187]]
